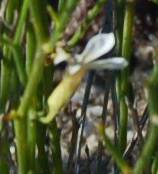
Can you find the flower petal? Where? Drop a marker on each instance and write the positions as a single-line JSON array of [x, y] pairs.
[[97, 46], [116, 63], [61, 56], [72, 69]]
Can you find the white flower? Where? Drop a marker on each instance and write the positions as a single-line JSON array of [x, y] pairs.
[[98, 46]]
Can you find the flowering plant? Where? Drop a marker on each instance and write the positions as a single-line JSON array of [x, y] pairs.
[[97, 46]]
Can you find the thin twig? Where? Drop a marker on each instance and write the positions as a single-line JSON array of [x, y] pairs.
[[83, 116], [142, 123]]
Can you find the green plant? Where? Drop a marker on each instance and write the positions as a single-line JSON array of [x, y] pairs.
[[32, 43]]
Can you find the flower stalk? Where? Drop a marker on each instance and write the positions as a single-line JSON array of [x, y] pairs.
[[126, 50]]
